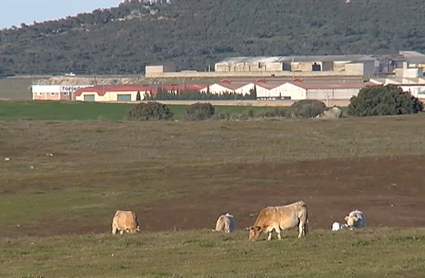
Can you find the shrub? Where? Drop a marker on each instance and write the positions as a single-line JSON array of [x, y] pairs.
[[149, 111], [383, 100], [308, 108], [278, 112], [220, 116], [199, 112], [250, 113]]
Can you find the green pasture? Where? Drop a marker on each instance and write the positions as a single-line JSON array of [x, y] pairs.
[[69, 111], [69, 171], [369, 253]]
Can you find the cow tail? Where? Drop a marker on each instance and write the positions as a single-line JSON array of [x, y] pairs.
[[305, 215], [306, 227]]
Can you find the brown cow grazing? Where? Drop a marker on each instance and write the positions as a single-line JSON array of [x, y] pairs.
[[279, 219], [125, 221]]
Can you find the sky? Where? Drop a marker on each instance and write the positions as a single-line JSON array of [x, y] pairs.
[[15, 12]]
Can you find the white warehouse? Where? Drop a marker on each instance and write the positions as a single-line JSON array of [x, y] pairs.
[[300, 90]]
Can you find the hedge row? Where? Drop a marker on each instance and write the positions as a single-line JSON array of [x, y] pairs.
[[155, 111]]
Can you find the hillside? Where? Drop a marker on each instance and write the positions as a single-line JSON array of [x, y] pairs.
[[196, 33]]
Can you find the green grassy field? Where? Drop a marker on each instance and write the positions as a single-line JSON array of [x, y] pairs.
[[56, 210], [61, 111], [378, 253], [69, 111]]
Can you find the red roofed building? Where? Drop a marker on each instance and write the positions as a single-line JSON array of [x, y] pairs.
[[222, 87], [225, 86], [55, 92], [269, 90], [129, 92]]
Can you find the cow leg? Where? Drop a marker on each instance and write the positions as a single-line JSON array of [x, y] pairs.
[[121, 232], [114, 230], [270, 235], [301, 229], [278, 233]]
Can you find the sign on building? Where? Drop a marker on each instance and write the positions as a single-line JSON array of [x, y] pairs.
[[72, 88]]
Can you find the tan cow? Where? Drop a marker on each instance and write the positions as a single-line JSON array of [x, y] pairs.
[[125, 221], [279, 219], [226, 223]]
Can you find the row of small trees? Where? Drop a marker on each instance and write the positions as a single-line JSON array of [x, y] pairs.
[[371, 101], [187, 94]]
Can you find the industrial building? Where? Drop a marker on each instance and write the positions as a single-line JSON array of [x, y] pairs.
[[273, 91], [415, 86], [402, 64], [397, 80], [324, 92], [363, 65], [289, 66], [153, 70], [292, 89], [297, 90], [125, 93], [55, 92], [110, 93], [226, 86]]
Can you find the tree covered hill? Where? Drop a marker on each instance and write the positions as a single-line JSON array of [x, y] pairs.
[[196, 33]]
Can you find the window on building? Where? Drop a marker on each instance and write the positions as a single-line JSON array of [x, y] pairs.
[[316, 67]]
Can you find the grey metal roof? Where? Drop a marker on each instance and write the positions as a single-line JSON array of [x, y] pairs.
[[412, 57], [312, 58], [411, 54], [415, 60]]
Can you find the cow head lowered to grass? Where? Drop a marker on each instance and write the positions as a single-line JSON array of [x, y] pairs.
[[280, 218]]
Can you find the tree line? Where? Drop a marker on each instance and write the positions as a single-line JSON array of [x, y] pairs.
[[162, 94]]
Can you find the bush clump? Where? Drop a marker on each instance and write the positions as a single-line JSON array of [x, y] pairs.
[[278, 112], [223, 116], [307, 108], [149, 111], [199, 112], [383, 100]]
